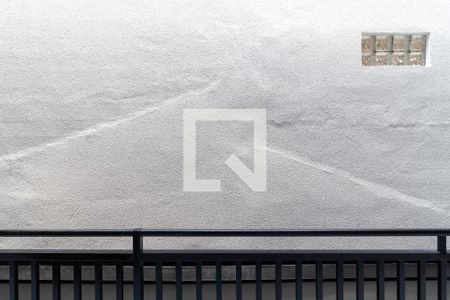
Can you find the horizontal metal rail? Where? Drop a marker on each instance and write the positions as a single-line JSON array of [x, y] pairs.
[[139, 259], [223, 232]]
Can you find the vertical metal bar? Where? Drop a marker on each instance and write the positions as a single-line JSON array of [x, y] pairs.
[[238, 280], [339, 280], [380, 280], [198, 280], [179, 281], [421, 280], [278, 281], [13, 281], [218, 280], [258, 279], [158, 279], [119, 281], [98, 281], [138, 277], [77, 281], [442, 280], [56, 280], [442, 243], [360, 280], [319, 280], [35, 280], [298, 280], [401, 280]]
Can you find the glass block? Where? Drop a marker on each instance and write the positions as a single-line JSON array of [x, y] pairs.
[[417, 43], [383, 43], [399, 59], [367, 59], [382, 59], [417, 59], [386, 49], [367, 43], [400, 43]]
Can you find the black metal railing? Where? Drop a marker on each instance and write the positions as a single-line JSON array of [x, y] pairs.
[[430, 265]]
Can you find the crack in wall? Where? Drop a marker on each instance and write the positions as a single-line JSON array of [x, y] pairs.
[[376, 189], [95, 129]]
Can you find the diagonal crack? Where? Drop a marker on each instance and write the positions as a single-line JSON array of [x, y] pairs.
[[97, 128], [377, 189]]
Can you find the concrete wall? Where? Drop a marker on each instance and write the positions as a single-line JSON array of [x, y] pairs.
[[91, 101]]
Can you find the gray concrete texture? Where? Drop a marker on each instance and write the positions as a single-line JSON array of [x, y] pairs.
[[91, 102]]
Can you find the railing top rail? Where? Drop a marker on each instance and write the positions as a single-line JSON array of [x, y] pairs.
[[222, 232]]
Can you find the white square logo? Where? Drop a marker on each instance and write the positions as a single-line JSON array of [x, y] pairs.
[[255, 179]]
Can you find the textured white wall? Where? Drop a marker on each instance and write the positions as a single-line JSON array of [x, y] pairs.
[[92, 93]]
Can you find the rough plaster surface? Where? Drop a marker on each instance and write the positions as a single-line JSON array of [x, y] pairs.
[[91, 101]]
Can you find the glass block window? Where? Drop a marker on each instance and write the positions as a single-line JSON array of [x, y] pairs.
[[393, 49]]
